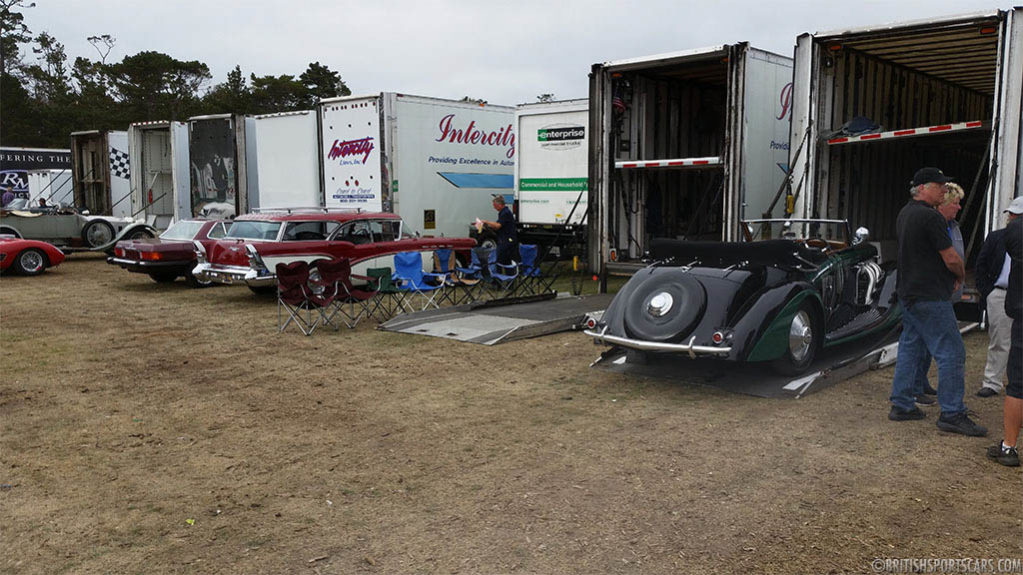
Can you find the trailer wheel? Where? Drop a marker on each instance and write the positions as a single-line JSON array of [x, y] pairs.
[[97, 233]]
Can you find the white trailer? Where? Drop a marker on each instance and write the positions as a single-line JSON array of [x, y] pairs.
[[159, 178], [552, 171], [434, 162], [101, 171], [282, 159], [942, 92], [217, 173], [683, 145], [48, 185]]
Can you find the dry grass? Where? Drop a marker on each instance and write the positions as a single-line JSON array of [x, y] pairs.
[[147, 428]]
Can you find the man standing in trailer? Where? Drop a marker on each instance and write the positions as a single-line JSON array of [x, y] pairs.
[[929, 272]]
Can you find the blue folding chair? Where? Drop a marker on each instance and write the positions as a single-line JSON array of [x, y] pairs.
[[410, 278]]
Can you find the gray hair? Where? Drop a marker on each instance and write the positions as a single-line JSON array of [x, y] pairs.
[[955, 192], [914, 191]]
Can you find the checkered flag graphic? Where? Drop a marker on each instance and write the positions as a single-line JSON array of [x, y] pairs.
[[119, 165]]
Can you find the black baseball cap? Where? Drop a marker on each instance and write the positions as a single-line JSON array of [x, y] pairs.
[[928, 175]]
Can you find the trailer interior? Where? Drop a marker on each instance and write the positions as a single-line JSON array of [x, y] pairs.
[[930, 93], [158, 191], [91, 172], [668, 141]]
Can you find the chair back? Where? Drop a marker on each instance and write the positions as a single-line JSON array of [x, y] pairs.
[[409, 266], [336, 270], [528, 253], [292, 279], [443, 261], [382, 276]]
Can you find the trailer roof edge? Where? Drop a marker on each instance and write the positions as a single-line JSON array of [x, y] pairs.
[[906, 24]]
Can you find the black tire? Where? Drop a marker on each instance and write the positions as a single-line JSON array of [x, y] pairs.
[[163, 277], [802, 344], [7, 230], [666, 307], [140, 234], [488, 243], [97, 233], [263, 290], [31, 262]]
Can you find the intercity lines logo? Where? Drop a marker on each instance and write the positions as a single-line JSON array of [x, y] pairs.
[[561, 136]]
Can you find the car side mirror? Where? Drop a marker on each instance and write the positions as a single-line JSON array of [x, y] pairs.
[[862, 234]]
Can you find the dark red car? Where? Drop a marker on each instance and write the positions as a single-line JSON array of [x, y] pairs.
[[171, 255], [256, 243]]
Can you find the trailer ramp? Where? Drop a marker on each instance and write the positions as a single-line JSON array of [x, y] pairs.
[[493, 324], [831, 367]]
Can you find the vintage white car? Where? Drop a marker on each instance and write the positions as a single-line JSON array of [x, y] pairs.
[[70, 230]]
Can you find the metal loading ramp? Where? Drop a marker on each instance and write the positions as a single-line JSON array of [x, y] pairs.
[[492, 324]]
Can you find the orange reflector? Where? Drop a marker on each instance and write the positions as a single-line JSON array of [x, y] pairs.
[[835, 47], [150, 255], [594, 277], [988, 30]]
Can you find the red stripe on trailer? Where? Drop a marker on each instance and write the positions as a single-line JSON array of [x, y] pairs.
[[838, 141], [939, 128], [629, 165], [678, 163], [700, 162], [974, 124], [870, 137], [904, 133]]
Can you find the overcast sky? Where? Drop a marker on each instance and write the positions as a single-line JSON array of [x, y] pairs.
[[502, 52]]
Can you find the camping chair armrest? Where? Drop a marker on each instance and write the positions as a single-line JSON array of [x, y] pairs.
[[508, 270]]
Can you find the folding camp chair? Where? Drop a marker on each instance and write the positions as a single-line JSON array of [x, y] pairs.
[[502, 279], [351, 303], [444, 266], [410, 278], [533, 280], [390, 300], [293, 295]]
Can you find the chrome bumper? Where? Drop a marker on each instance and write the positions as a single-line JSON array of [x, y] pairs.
[[688, 348], [125, 263], [233, 275]]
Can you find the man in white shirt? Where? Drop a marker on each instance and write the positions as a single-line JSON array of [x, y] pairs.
[[992, 281]]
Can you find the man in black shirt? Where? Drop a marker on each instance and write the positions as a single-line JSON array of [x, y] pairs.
[[1012, 414], [929, 271], [507, 235]]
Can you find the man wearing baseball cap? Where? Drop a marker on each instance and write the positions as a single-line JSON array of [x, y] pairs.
[[992, 281], [929, 271]]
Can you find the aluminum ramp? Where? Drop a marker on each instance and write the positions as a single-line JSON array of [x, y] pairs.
[[492, 324]]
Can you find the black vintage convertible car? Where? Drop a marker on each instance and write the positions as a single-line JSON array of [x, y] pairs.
[[808, 286]]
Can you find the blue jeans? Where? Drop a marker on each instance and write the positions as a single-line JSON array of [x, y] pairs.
[[930, 327]]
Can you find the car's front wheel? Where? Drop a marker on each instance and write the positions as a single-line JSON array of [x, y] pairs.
[[97, 233], [804, 337], [31, 262]]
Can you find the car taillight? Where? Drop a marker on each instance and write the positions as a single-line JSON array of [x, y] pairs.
[[718, 337], [591, 323], [151, 256], [119, 252]]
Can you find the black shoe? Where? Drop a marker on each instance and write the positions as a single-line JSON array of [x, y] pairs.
[[923, 399], [961, 423], [1007, 457], [930, 390], [899, 414], [986, 392]]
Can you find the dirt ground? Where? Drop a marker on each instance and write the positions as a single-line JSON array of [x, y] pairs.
[[150, 428]]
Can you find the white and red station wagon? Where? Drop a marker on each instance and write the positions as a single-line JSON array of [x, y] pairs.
[[256, 243]]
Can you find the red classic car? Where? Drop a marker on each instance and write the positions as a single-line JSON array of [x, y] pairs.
[[172, 254], [256, 243], [28, 257]]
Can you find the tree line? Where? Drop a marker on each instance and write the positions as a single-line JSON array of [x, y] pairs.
[[43, 100]]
